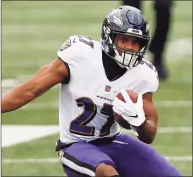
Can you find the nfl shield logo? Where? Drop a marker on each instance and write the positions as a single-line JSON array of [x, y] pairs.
[[108, 88]]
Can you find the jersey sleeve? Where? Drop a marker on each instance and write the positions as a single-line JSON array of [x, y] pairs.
[[70, 50], [149, 80], [75, 49], [150, 85]]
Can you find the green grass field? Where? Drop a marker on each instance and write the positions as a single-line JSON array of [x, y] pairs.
[[32, 32]]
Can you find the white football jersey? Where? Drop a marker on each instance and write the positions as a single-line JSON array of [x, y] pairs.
[[85, 110]]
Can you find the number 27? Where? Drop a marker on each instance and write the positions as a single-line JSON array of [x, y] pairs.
[[79, 124]]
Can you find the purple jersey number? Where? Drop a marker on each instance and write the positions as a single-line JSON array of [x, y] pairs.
[[79, 124]]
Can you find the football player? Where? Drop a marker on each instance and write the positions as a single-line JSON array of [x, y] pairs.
[[91, 74]]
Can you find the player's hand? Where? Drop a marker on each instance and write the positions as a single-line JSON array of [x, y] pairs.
[[133, 113]]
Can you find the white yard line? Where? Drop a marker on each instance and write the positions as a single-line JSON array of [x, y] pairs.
[[24, 133], [179, 158], [174, 104], [16, 161], [169, 130], [56, 160], [27, 133]]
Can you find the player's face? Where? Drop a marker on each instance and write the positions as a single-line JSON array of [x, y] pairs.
[[127, 43]]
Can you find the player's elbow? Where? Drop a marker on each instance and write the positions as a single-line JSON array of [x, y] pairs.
[[150, 140], [147, 139], [147, 134]]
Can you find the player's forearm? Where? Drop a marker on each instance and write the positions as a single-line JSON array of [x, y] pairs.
[[16, 98], [147, 131]]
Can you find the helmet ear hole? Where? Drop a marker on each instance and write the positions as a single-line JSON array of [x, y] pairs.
[[113, 37], [142, 43]]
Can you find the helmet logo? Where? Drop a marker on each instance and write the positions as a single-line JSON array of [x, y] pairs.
[[116, 21]]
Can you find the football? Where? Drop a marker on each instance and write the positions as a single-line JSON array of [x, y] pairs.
[[123, 123]]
